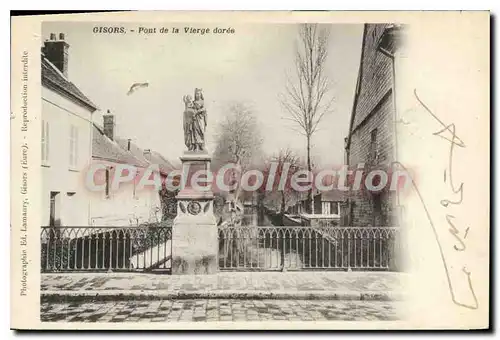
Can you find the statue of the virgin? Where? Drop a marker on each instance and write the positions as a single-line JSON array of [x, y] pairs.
[[195, 121]]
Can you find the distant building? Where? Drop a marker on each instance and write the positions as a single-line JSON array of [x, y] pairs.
[[129, 205], [371, 140], [328, 202], [66, 139], [298, 204]]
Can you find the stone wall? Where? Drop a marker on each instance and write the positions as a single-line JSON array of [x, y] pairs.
[[374, 109]]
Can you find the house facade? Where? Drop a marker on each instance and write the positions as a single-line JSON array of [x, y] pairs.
[[328, 202], [129, 204], [71, 142], [66, 139], [371, 143]]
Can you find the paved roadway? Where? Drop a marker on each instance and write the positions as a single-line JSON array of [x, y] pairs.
[[220, 310]]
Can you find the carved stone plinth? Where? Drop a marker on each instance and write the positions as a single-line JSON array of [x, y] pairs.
[[194, 233]]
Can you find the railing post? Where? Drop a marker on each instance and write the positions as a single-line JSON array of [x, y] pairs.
[[349, 252], [282, 251], [110, 252]]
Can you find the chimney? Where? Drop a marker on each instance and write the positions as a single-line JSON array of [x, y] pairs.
[[128, 144], [109, 125], [147, 154], [56, 51]]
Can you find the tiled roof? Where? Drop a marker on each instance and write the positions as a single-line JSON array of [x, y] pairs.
[[332, 195], [53, 78], [106, 149], [135, 151], [155, 158], [117, 151], [164, 164]]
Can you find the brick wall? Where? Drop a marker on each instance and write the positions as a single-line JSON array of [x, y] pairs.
[[382, 120], [376, 77], [374, 110]]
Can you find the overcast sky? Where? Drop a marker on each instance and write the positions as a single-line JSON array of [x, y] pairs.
[[248, 66]]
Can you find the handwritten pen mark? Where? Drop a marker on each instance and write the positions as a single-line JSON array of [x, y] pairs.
[[454, 231], [446, 202], [446, 127], [466, 232], [450, 128], [441, 251], [454, 141]]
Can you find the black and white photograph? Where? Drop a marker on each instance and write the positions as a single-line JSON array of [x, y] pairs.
[[269, 171], [126, 119]]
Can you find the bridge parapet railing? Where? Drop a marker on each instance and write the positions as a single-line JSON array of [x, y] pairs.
[[308, 248], [93, 248], [320, 220], [149, 247]]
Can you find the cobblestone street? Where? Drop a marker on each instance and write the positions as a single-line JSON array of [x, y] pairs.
[[79, 283], [219, 310], [244, 296]]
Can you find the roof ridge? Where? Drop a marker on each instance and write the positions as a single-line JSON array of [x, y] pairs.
[[117, 155], [140, 160], [56, 69], [154, 153], [53, 78]]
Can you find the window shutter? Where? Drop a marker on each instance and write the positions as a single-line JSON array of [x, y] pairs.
[[75, 155], [71, 145], [43, 140], [47, 141]]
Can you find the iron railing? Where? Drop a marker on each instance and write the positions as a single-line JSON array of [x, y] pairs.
[[134, 248], [306, 247], [149, 247], [319, 220]]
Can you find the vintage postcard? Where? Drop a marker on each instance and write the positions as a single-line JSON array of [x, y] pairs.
[[258, 170]]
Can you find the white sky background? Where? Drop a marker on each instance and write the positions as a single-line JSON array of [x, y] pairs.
[[248, 66]]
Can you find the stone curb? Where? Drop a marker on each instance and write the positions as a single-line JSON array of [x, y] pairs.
[[120, 295]]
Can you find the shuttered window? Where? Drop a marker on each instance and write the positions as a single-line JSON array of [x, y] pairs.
[[73, 147], [45, 141]]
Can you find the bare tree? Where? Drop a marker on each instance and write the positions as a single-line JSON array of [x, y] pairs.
[[307, 95], [287, 163], [239, 142]]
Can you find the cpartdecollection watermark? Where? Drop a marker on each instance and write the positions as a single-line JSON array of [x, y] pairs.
[[276, 177]]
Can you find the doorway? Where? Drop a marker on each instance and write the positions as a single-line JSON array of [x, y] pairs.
[[54, 219]]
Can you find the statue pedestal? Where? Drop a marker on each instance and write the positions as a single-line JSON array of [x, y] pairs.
[[194, 233]]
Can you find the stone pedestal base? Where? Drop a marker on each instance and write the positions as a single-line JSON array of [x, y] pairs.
[[194, 233], [194, 248]]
